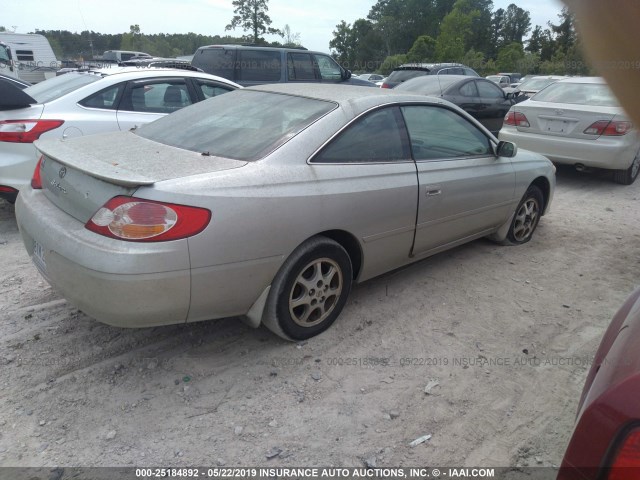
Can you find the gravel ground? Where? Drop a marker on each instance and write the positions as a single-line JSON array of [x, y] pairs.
[[484, 347]]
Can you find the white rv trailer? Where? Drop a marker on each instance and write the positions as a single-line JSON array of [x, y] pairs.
[[27, 56]]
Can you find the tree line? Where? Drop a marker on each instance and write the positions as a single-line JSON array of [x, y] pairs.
[[465, 31]]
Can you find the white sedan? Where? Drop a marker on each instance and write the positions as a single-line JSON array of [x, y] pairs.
[[579, 122], [83, 103]]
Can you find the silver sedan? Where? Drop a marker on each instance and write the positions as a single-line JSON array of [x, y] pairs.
[[269, 203], [579, 122]]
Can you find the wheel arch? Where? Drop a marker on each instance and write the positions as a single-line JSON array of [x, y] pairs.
[[543, 184], [350, 243]]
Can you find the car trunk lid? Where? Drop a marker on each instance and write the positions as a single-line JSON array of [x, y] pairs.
[[81, 174], [563, 120]]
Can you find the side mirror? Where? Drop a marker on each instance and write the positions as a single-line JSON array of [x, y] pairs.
[[346, 74], [507, 149]]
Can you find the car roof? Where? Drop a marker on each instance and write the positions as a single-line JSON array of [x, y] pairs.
[[138, 72], [597, 80], [359, 99]]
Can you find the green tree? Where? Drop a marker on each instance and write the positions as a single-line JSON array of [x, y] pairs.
[[252, 16], [423, 49], [454, 34], [510, 57]]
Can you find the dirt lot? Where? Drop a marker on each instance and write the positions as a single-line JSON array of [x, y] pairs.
[[506, 332]]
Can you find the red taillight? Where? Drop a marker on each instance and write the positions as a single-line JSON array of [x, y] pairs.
[[385, 85], [36, 179], [139, 220], [25, 131], [626, 463], [516, 119], [610, 129]]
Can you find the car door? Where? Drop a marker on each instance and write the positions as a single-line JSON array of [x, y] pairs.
[[494, 105], [368, 179], [464, 189], [144, 101]]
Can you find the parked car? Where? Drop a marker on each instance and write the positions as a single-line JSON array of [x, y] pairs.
[[411, 70], [269, 203], [577, 121], [21, 84], [81, 103], [501, 80], [250, 65], [606, 440], [371, 77], [117, 56], [533, 85], [159, 62], [480, 98], [513, 77]]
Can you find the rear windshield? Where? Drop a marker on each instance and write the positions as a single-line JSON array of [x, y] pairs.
[[537, 84], [244, 125], [403, 75], [428, 85], [578, 94], [56, 87]]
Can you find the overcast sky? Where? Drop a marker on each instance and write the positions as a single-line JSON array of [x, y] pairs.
[[315, 21]]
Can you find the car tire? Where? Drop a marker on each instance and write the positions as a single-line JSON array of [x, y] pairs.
[[526, 218], [310, 290], [628, 176]]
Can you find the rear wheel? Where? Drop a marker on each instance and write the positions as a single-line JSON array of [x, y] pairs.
[[527, 216], [310, 290], [629, 175]]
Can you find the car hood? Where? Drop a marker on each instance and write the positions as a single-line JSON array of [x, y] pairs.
[[126, 159]]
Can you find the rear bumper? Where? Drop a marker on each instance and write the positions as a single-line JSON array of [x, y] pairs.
[[608, 153], [124, 284]]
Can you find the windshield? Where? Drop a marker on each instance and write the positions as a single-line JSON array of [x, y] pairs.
[[56, 87], [244, 125], [596, 94]]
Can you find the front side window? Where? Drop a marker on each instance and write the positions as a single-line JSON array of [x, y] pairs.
[[329, 69], [156, 97], [5, 54], [437, 133], [378, 137], [489, 90]]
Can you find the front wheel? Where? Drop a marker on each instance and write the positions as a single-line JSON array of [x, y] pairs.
[[628, 176], [526, 217], [310, 290]]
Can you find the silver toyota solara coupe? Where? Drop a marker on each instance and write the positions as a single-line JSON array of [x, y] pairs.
[[269, 203]]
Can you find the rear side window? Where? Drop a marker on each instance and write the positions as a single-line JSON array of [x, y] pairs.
[[469, 89], [104, 99], [300, 67], [259, 66], [376, 138]]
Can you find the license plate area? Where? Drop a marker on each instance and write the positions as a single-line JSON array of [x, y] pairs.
[[557, 126], [38, 256]]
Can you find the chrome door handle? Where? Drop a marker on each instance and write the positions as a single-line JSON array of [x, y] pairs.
[[433, 190]]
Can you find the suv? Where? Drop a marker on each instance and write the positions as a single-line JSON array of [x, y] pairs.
[[411, 70], [249, 65]]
